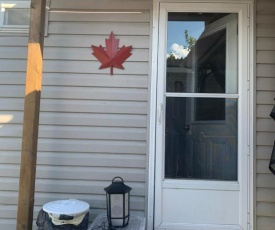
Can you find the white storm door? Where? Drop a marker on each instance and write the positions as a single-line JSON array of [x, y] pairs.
[[201, 130]]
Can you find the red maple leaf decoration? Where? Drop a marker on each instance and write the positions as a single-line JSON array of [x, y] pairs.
[[112, 57]]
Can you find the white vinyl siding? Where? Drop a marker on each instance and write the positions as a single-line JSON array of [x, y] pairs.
[[265, 72], [93, 126], [13, 51]]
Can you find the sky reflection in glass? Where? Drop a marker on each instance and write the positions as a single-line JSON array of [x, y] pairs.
[[176, 42]]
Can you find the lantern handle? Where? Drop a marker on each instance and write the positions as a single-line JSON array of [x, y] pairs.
[[116, 178]]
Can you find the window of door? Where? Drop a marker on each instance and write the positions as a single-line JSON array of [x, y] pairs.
[[201, 132]]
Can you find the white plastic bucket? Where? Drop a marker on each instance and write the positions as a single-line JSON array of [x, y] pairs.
[[66, 211]]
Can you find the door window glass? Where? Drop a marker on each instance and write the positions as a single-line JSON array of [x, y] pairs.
[[202, 149], [201, 131]]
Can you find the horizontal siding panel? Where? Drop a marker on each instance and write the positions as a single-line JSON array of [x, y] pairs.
[[13, 66], [267, 125], [103, 120], [9, 104], [102, 4], [265, 44], [14, 41], [13, 53], [265, 6], [79, 54], [10, 144], [99, 28], [265, 223], [83, 173], [89, 93], [11, 91], [92, 16], [265, 209], [66, 79], [8, 224], [263, 111], [83, 186], [267, 18], [12, 78], [8, 198], [8, 130], [92, 133], [74, 132], [58, 66], [265, 70], [264, 30], [265, 97], [9, 171], [9, 184], [265, 138], [266, 57], [90, 106], [91, 146], [91, 159], [9, 157], [85, 41], [266, 83], [264, 152], [266, 195], [262, 166], [88, 173], [8, 211], [265, 181], [76, 106]]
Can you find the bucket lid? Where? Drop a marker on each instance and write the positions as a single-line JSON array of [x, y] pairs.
[[66, 207]]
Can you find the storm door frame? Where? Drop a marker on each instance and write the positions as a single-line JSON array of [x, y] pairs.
[[249, 68]]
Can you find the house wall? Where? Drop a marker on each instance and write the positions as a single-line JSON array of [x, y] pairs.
[[265, 126], [11, 107], [13, 51], [93, 126]]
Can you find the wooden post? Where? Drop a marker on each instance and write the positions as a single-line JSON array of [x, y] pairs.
[[31, 116]]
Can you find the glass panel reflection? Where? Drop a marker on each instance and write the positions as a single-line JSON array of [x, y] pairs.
[[197, 58], [201, 145]]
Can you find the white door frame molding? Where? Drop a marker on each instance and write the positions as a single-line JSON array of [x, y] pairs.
[[235, 6]]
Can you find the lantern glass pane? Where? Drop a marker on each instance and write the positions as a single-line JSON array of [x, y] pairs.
[[117, 209], [108, 201], [126, 204]]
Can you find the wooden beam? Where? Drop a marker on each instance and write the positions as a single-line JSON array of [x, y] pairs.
[[31, 116]]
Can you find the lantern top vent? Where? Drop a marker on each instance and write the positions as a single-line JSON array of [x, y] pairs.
[[117, 187]]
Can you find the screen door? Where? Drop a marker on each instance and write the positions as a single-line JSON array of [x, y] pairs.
[[199, 138]]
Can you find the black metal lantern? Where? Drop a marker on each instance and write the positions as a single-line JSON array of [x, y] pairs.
[[272, 114], [118, 203], [272, 158]]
